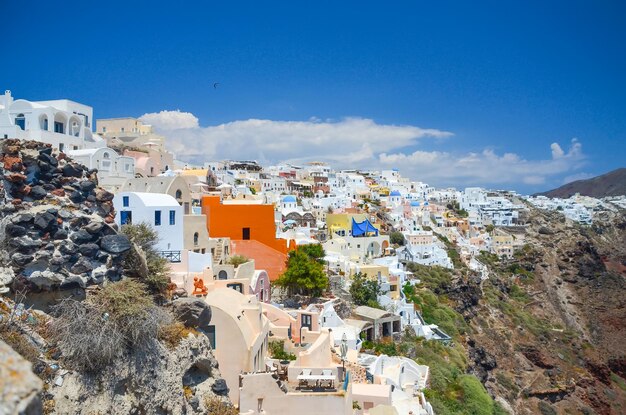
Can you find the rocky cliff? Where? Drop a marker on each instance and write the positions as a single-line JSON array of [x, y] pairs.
[[55, 223], [168, 382], [549, 326], [57, 238]]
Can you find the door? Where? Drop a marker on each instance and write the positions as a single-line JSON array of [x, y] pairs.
[[245, 234], [126, 217], [306, 321]]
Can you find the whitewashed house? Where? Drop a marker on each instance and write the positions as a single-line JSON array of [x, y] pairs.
[[64, 124], [160, 211], [113, 169]]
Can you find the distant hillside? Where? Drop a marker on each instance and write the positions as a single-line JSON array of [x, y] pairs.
[[609, 184]]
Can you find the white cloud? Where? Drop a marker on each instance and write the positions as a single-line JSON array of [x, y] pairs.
[[359, 143], [486, 167], [349, 140], [170, 120]]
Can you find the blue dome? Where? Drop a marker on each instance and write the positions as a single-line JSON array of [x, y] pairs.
[[415, 203], [425, 203], [289, 199], [394, 193]]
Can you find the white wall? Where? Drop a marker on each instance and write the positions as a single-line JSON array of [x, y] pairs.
[[170, 236]]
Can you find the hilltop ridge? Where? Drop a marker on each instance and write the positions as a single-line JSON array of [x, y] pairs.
[[612, 183]]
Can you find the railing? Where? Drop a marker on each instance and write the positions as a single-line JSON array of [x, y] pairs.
[[171, 256]]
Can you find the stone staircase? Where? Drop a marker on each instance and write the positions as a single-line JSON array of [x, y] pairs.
[[219, 252]]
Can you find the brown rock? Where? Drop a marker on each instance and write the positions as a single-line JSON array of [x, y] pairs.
[[12, 163], [58, 192], [103, 195], [12, 149], [16, 178]]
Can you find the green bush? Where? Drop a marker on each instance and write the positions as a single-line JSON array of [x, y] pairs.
[[364, 290], [396, 238], [277, 350], [435, 311], [237, 260]]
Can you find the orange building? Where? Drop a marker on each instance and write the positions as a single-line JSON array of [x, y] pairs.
[[242, 222], [247, 222], [266, 258]]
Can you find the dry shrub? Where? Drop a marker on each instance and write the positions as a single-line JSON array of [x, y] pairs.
[[120, 317], [19, 343], [144, 255], [188, 392], [172, 334], [48, 406], [216, 406]]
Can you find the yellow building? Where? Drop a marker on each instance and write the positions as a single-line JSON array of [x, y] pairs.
[[502, 244], [340, 224]]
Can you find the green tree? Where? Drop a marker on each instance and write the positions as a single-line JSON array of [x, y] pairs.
[[305, 272], [313, 251], [364, 291], [396, 238]]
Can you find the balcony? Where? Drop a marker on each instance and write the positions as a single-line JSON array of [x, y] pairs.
[[171, 256]]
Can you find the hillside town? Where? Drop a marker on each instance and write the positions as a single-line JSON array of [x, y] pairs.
[[231, 231]]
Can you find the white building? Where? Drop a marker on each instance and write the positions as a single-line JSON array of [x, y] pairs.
[[113, 169], [160, 211], [424, 248], [64, 124]]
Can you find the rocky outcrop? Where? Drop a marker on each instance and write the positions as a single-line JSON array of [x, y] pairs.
[[193, 312], [19, 386], [55, 223], [168, 382]]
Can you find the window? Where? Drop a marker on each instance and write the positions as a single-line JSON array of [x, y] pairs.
[[172, 217], [104, 129], [125, 201], [245, 234], [195, 238], [157, 218], [106, 155], [211, 336], [222, 275], [179, 194], [61, 147], [59, 127], [20, 121], [122, 129], [236, 286]]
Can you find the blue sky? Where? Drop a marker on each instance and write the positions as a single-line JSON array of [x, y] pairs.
[[451, 93]]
